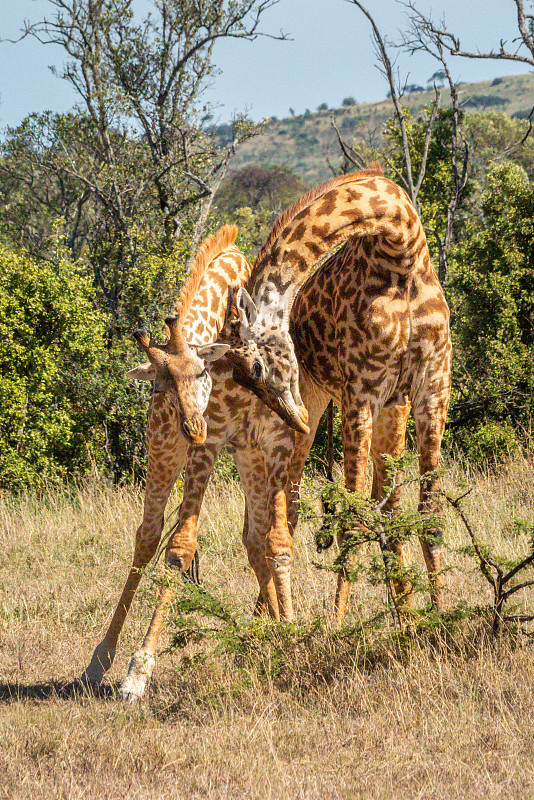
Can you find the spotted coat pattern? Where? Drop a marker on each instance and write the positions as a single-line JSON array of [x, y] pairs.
[[369, 328]]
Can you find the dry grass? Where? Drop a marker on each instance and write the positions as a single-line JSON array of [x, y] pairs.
[[340, 718]]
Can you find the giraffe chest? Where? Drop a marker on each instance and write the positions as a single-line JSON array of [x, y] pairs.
[[235, 417]]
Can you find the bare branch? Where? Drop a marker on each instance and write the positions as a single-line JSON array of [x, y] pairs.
[[448, 41], [428, 136], [529, 129], [395, 97], [349, 152]]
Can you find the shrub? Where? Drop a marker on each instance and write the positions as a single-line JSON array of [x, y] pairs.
[[487, 443], [492, 300], [522, 114], [51, 338]]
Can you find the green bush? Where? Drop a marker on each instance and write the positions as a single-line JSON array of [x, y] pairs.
[[487, 443], [51, 337], [492, 304], [66, 406]]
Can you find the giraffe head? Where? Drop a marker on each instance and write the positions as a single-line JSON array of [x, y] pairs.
[[180, 370], [263, 358]]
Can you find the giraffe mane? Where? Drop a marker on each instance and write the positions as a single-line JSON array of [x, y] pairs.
[[212, 246], [307, 199]]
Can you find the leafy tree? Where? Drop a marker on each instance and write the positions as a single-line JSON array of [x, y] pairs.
[[136, 155], [259, 187], [413, 88], [492, 282], [492, 136], [439, 77], [49, 333], [349, 101], [484, 101], [36, 185], [65, 403], [151, 74]]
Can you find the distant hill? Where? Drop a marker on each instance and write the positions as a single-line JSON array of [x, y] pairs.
[[303, 143]]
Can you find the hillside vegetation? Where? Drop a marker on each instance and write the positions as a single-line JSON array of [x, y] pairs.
[[304, 142]]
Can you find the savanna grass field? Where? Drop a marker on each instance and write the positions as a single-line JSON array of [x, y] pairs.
[[260, 710]]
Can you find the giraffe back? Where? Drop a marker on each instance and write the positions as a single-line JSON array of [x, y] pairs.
[[363, 206], [355, 319]]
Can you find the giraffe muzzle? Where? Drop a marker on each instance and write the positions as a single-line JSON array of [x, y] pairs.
[[295, 415], [283, 404]]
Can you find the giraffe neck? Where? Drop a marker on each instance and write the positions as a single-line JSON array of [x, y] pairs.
[[351, 206], [206, 316]]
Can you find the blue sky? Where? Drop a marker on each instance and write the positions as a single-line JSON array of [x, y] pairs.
[[330, 56]]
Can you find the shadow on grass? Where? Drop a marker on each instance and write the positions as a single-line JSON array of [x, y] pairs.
[[55, 690]]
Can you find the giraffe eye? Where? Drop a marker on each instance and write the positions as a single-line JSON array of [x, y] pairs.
[[204, 372], [257, 369]]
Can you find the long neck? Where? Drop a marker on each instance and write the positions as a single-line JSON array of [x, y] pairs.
[[207, 314], [357, 205]]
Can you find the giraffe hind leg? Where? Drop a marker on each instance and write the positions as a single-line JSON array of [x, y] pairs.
[[430, 424], [389, 432], [357, 420]]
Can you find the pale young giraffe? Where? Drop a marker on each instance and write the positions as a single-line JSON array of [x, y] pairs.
[[262, 446], [181, 391], [370, 329]]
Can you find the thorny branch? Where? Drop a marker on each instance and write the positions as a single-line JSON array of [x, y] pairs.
[[501, 578]]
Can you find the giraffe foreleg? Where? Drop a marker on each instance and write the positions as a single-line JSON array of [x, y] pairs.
[[182, 545], [251, 467], [279, 554], [278, 450], [315, 401], [165, 462], [179, 554], [389, 432]]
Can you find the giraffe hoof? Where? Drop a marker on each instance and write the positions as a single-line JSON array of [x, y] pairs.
[[174, 561], [100, 663], [140, 670], [132, 691]]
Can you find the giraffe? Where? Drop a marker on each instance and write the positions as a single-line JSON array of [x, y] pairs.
[[369, 328], [268, 457], [182, 385]]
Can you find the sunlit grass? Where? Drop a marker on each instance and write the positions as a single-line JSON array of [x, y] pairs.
[[342, 716]]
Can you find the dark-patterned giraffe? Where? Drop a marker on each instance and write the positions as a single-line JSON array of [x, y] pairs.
[[369, 328]]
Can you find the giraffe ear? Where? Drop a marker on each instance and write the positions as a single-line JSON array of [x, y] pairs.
[[144, 372], [212, 352], [246, 309]]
